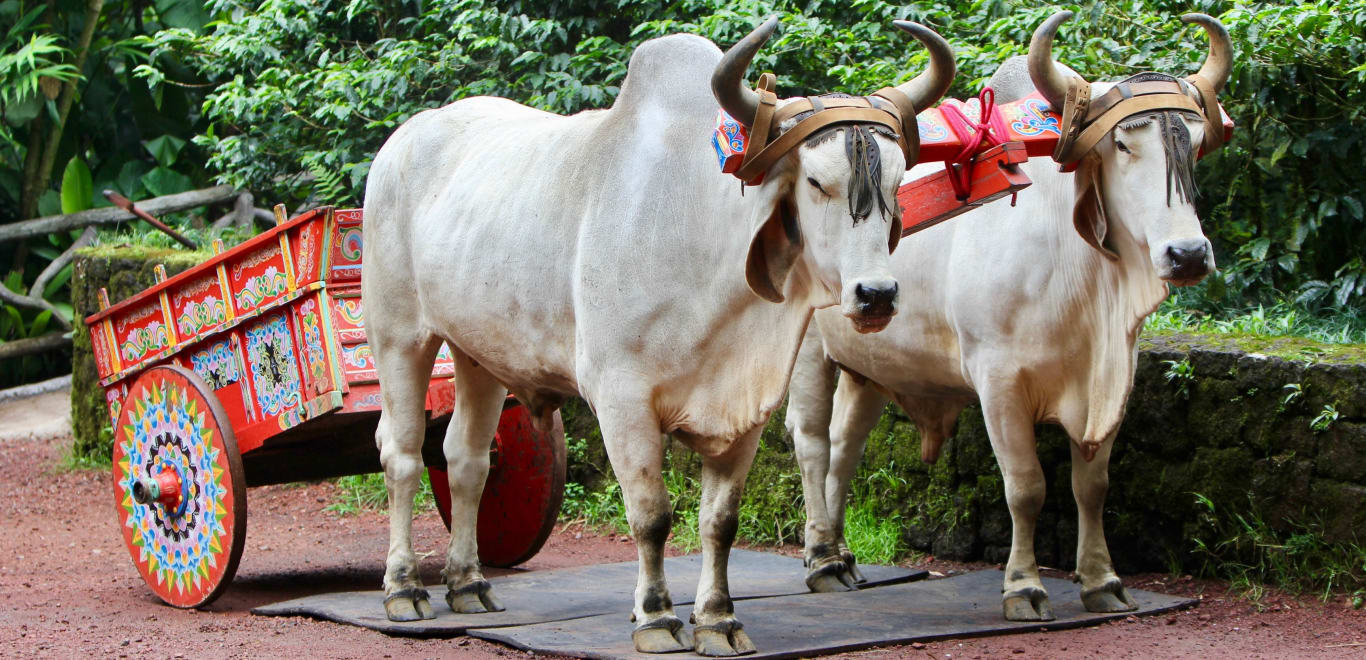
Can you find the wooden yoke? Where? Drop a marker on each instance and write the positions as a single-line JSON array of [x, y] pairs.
[[1032, 131]]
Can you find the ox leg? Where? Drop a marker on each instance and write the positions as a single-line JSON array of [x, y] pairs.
[[1011, 428], [809, 404], [405, 370], [1101, 589], [478, 404], [717, 632], [858, 407], [636, 450]]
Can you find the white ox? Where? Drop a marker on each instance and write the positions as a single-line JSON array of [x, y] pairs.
[[1034, 310], [604, 254]]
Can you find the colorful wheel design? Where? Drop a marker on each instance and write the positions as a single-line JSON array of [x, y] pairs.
[[522, 496], [178, 487]]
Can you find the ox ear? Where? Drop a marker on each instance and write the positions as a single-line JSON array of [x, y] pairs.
[[1088, 214], [774, 248]]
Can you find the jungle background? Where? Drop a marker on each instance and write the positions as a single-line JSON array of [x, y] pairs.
[[290, 99]]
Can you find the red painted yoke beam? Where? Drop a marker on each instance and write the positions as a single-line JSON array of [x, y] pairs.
[[930, 200]]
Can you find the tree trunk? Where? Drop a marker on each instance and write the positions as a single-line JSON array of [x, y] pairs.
[[43, 176]]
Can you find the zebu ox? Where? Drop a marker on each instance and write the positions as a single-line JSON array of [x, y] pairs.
[[1034, 310], [603, 254]]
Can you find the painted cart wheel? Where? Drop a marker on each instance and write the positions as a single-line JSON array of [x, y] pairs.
[[522, 496], [178, 487]]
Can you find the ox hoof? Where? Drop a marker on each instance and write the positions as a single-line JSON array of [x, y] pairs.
[[1027, 604], [723, 639], [1108, 597], [663, 635], [473, 598], [851, 562], [831, 577], [409, 604]]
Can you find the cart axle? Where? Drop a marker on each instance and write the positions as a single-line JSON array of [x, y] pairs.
[[163, 488]]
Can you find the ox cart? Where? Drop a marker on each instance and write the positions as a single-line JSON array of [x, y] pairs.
[[253, 369]]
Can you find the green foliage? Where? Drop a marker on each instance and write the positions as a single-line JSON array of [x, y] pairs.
[[26, 59], [1244, 549], [1182, 313], [1326, 418], [1181, 374], [366, 492], [78, 192]]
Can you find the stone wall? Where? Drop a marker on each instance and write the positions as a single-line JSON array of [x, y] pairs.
[[1237, 432], [124, 271]]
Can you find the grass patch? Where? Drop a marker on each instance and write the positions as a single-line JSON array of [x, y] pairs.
[[366, 492], [1245, 550], [1332, 326], [72, 462], [874, 535]]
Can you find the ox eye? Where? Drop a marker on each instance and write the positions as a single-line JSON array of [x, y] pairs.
[[1122, 147], [817, 185]]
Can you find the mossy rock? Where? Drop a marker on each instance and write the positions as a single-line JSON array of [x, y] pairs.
[[124, 271]]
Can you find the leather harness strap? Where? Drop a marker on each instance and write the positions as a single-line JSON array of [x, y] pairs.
[[1103, 124], [761, 153], [1085, 122], [1214, 118]]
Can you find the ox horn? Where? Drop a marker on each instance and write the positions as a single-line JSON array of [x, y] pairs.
[[1050, 82], [1220, 59], [932, 83], [728, 80]]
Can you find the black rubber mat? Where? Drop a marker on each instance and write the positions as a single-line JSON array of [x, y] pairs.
[[807, 624], [569, 593]]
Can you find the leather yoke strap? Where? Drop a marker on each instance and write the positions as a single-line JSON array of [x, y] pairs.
[[764, 158], [1085, 121], [763, 116], [1214, 118], [1103, 124]]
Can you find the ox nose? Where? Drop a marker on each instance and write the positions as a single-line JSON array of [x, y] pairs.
[[1189, 259], [876, 300]]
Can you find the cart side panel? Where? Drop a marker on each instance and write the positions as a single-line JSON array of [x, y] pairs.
[[141, 333], [314, 356], [306, 241], [257, 278], [346, 248], [272, 365], [218, 361], [198, 307], [103, 364]]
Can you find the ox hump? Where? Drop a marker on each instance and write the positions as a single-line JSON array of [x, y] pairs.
[[673, 71]]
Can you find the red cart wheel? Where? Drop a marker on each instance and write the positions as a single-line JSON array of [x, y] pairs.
[[522, 496], [178, 487]]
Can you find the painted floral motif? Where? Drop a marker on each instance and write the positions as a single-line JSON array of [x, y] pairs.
[[216, 364], [197, 315], [931, 127], [166, 430], [350, 310], [351, 243], [268, 284], [313, 341], [113, 400], [141, 341], [270, 352], [306, 252], [358, 356], [1030, 119]]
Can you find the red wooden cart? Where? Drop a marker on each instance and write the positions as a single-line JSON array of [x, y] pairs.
[[252, 369]]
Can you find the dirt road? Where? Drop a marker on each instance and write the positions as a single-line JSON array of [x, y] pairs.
[[69, 588]]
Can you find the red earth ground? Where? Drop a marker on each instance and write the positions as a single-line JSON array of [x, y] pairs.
[[69, 588]]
